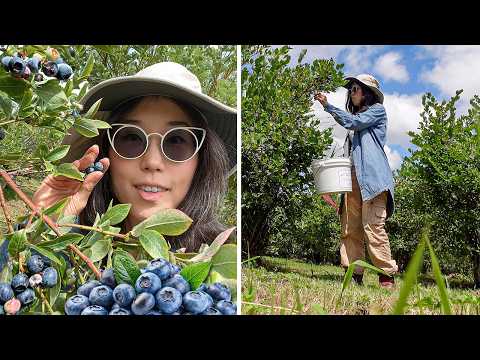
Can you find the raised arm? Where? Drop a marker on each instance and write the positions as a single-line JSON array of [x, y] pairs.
[[372, 116]]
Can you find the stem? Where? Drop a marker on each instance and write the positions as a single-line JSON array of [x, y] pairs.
[[6, 211], [84, 227], [44, 300], [270, 306], [8, 122], [47, 220]]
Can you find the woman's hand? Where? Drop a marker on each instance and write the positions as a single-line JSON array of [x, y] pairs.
[[321, 98], [55, 188]]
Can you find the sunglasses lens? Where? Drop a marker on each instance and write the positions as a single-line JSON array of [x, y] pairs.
[[180, 144], [129, 142]]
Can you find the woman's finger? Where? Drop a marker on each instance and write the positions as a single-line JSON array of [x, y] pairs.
[[90, 181], [88, 158]]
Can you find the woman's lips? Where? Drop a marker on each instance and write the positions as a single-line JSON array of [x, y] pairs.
[[150, 196]]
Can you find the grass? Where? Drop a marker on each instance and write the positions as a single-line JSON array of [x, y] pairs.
[[275, 282]]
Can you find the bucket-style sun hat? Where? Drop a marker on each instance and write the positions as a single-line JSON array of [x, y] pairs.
[[369, 81], [168, 79]]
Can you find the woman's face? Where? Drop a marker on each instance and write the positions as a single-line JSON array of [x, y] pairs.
[[356, 94], [172, 179]]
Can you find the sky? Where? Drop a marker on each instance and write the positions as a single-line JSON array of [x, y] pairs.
[[405, 73]]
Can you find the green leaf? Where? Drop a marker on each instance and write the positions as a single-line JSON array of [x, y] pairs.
[[85, 127], [116, 214], [439, 280], [317, 309], [86, 71], [154, 244], [410, 277], [62, 242], [47, 253], [170, 222], [93, 109], [69, 219], [101, 124], [52, 94], [58, 153], [225, 261], [98, 250], [125, 268], [26, 107], [69, 87], [14, 88], [11, 156], [83, 90], [68, 170], [57, 207], [214, 246], [54, 292], [6, 105], [195, 274], [18, 243]]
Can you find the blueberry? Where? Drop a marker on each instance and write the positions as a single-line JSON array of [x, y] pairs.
[[202, 287], [6, 62], [26, 297], [38, 77], [168, 299], [76, 304], [89, 170], [17, 66], [98, 166], [148, 282], [64, 71], [34, 64], [46, 260], [35, 264], [159, 267], [195, 302], [20, 283], [50, 68], [124, 294], [174, 269], [226, 307], [210, 299], [108, 278], [153, 312], [119, 311], [178, 282], [12, 306], [71, 51], [50, 277], [6, 293], [26, 73], [86, 288], [59, 61], [94, 310], [35, 280], [211, 311], [101, 296], [143, 303], [219, 291], [115, 306]]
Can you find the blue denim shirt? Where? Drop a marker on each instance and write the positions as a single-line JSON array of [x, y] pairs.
[[371, 164]]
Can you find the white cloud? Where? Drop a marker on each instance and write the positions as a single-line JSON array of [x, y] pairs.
[[390, 68], [455, 67], [394, 158]]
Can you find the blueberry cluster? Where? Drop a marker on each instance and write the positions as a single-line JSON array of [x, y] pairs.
[[22, 67], [98, 166], [19, 292], [159, 290]]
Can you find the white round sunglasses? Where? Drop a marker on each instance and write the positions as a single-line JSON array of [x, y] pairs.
[[178, 144]]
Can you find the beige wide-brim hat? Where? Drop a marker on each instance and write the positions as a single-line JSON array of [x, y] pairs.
[[367, 80], [167, 79]]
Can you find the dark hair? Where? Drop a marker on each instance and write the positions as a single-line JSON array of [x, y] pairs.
[[206, 192], [369, 98]]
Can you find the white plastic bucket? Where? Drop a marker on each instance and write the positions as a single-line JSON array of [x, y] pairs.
[[332, 175]]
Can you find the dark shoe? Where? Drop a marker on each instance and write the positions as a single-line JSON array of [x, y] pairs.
[[385, 281], [358, 278]]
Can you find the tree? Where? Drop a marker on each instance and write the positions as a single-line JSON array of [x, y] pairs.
[[445, 171], [279, 139]]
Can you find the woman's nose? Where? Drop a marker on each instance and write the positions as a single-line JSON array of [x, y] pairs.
[[153, 159]]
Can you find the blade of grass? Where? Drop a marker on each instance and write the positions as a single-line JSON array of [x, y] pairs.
[[445, 304], [349, 273], [410, 277]]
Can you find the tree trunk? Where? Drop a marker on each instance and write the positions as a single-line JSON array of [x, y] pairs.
[[476, 269]]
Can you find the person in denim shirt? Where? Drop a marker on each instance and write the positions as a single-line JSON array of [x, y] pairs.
[[371, 202]]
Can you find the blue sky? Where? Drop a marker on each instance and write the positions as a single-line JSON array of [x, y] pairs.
[[405, 74]]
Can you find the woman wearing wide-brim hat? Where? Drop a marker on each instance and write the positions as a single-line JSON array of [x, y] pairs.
[[169, 146], [371, 202]]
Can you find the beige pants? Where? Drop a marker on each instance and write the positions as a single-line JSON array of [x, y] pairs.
[[365, 222]]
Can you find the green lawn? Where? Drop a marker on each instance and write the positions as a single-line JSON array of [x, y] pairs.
[[270, 285]]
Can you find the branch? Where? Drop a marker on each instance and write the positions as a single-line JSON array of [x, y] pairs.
[[6, 211], [47, 220], [84, 227], [44, 300]]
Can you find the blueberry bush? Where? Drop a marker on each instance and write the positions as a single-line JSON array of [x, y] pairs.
[[47, 258]]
